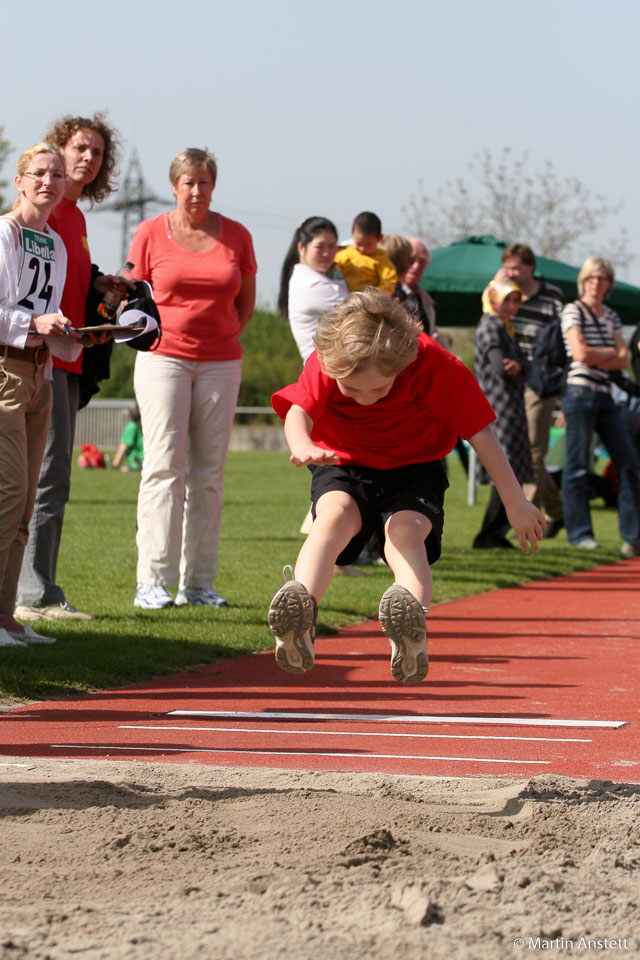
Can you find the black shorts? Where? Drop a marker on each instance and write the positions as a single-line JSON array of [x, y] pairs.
[[381, 493]]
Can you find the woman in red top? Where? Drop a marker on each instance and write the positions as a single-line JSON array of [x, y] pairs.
[[202, 268]]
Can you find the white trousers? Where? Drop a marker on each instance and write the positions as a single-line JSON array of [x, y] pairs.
[[187, 409]]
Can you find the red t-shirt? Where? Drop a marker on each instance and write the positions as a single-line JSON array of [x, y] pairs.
[[431, 403], [68, 220], [195, 292]]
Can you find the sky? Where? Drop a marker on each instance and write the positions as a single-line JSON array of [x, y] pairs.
[[330, 108]]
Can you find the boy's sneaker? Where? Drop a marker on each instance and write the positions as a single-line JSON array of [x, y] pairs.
[[51, 611], [292, 620], [152, 596], [402, 619], [199, 597]]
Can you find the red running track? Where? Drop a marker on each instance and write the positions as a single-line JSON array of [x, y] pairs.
[[539, 679]]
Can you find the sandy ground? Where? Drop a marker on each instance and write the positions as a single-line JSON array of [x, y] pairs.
[[146, 860]]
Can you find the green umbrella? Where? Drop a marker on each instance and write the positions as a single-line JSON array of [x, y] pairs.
[[459, 273]]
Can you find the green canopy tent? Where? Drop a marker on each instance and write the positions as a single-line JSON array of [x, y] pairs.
[[459, 273]]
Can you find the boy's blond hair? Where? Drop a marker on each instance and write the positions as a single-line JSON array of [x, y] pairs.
[[366, 329]]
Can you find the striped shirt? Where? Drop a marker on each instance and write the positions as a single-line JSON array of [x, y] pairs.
[[534, 314], [600, 334]]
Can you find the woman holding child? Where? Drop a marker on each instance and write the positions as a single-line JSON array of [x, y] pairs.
[[33, 266], [309, 283]]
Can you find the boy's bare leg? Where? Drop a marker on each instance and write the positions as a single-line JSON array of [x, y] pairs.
[[405, 533], [337, 521], [293, 610], [401, 607]]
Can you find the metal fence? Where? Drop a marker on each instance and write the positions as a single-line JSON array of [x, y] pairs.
[[102, 422]]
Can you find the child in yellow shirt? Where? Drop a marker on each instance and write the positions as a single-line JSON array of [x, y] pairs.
[[363, 263]]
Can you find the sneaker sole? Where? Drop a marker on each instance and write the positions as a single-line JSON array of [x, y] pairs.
[[25, 613], [291, 616], [65, 615], [402, 619], [141, 605]]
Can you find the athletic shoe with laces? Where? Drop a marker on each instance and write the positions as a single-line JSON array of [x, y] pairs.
[[630, 549], [402, 619], [152, 596], [199, 597], [51, 611], [587, 543], [7, 640], [292, 620], [30, 636]]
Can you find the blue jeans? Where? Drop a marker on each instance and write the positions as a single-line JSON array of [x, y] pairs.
[[587, 410]]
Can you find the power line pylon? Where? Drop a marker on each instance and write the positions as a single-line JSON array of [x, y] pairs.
[[132, 200]]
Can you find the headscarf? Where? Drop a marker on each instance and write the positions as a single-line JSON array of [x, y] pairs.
[[495, 293]]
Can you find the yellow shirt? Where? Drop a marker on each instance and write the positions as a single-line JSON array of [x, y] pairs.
[[360, 271]]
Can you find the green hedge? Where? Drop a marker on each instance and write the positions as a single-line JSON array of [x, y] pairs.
[[271, 360]]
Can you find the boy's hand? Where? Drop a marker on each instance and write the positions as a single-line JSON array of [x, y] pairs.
[[302, 456], [528, 523]]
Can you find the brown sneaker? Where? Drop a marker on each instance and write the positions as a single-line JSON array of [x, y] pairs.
[[51, 611], [292, 620], [402, 619]]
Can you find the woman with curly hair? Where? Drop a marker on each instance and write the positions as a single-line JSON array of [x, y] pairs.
[[90, 149]]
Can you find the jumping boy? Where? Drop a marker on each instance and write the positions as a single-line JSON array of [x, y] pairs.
[[363, 263], [376, 408]]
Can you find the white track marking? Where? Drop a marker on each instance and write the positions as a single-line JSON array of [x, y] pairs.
[[393, 718], [349, 733], [291, 753]]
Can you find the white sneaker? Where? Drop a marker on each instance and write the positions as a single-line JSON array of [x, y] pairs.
[[30, 636], [7, 640], [587, 543], [152, 596], [199, 597]]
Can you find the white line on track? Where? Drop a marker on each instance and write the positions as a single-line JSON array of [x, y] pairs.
[[349, 733], [396, 718], [89, 747]]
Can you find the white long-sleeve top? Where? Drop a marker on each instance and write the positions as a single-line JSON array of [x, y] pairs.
[[310, 295], [33, 268]]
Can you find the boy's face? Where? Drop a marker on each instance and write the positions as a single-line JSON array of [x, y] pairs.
[[366, 243], [366, 387]]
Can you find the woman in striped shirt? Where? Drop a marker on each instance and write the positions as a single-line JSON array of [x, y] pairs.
[[593, 338]]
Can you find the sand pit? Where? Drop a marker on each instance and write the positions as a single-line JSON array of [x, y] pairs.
[[145, 860]]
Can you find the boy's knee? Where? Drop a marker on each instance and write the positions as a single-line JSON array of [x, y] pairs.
[[339, 509], [407, 527]]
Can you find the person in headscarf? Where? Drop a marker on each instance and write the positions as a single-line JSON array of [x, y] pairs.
[[500, 370]]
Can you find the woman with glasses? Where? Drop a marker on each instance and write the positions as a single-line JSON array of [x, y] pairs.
[[593, 338], [33, 266]]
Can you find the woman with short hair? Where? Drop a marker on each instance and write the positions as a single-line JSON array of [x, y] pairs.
[[593, 337], [201, 267]]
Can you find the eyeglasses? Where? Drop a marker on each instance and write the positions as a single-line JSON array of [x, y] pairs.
[[598, 278], [39, 176]]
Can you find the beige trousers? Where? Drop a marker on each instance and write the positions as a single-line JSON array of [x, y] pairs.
[[25, 407], [187, 409], [543, 492]]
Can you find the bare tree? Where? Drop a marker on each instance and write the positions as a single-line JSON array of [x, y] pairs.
[[557, 216], [5, 148]]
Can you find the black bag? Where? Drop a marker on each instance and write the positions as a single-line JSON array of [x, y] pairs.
[[143, 300], [549, 362]]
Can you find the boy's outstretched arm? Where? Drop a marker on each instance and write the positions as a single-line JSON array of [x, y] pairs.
[[297, 431], [526, 520]]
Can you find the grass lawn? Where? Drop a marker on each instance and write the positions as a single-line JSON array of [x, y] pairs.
[[265, 501]]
